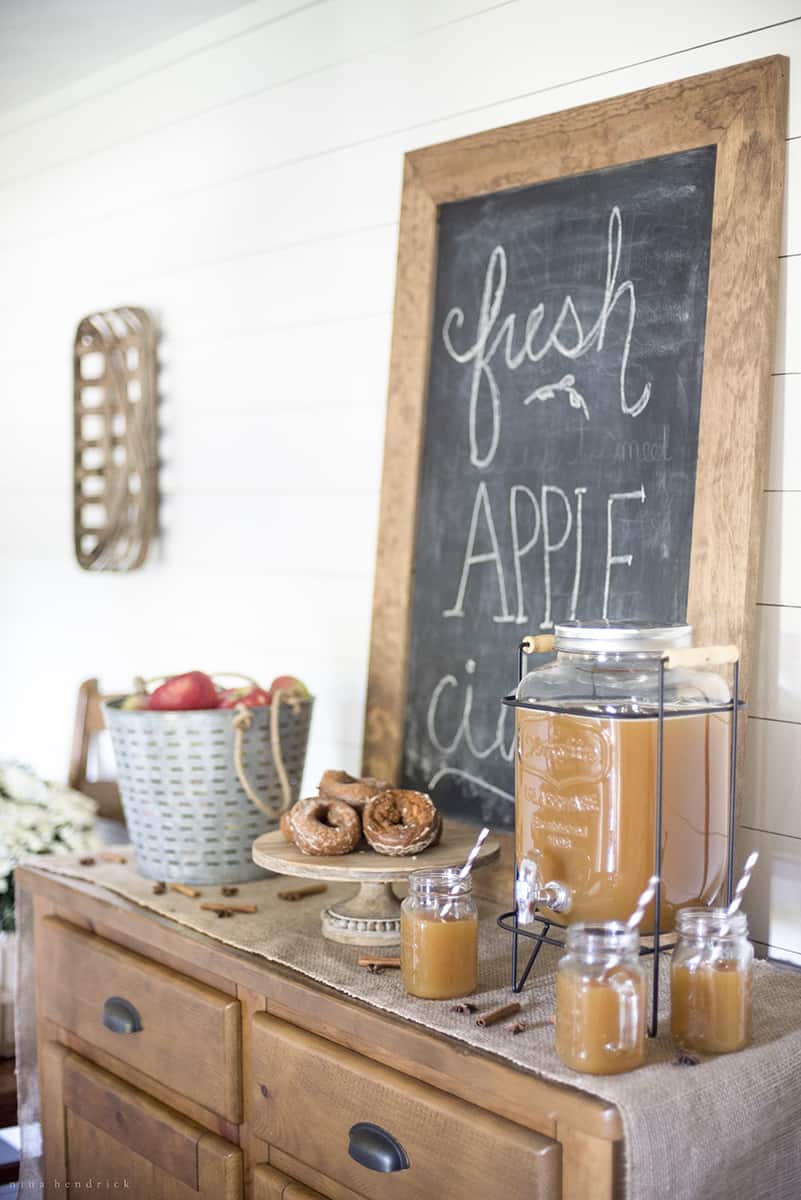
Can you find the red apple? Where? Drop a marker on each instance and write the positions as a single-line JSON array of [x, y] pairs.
[[135, 702], [288, 683], [254, 697], [193, 690]]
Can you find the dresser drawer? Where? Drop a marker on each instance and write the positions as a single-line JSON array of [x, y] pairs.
[[354, 1120], [269, 1184], [104, 1134], [178, 1031]]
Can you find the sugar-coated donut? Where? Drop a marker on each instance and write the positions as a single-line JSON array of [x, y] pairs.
[[339, 785], [401, 822], [323, 826], [285, 825]]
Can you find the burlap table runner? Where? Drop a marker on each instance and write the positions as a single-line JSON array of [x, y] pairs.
[[727, 1129]]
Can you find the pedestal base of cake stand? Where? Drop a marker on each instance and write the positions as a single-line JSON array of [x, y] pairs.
[[371, 916]]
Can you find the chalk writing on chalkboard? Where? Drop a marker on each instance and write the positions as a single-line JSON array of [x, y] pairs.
[[561, 437]]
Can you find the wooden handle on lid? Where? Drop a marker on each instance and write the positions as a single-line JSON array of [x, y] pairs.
[[542, 643], [702, 656]]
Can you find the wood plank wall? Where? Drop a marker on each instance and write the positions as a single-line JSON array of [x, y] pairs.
[[242, 181]]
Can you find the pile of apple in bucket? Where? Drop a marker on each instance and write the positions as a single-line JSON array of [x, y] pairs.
[[196, 690], [204, 769]]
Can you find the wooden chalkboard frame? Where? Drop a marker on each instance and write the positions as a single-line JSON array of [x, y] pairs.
[[742, 111]]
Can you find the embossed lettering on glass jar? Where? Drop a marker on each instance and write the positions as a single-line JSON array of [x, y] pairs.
[[586, 774], [710, 981]]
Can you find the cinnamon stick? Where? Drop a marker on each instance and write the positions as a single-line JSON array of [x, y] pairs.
[[310, 889], [112, 856], [230, 908], [185, 890], [498, 1014], [374, 963]]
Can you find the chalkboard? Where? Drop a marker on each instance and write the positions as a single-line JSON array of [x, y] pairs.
[[561, 438], [579, 386]]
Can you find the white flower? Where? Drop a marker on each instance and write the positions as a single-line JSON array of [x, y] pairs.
[[38, 817], [20, 783]]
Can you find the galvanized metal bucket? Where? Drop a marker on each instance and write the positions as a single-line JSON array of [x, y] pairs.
[[189, 816]]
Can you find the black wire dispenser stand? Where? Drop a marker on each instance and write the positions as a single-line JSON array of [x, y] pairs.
[[552, 932]]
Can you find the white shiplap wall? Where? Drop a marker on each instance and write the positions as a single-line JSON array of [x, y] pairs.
[[243, 182]]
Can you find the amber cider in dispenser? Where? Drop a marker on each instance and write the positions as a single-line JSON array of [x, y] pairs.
[[439, 936], [711, 981], [586, 773], [601, 1000]]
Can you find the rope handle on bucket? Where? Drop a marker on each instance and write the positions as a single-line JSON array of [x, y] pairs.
[[243, 719]]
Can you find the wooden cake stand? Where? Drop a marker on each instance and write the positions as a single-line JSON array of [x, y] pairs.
[[371, 916]]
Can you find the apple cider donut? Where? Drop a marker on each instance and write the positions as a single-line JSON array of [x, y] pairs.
[[323, 826], [339, 785], [285, 825], [401, 822]]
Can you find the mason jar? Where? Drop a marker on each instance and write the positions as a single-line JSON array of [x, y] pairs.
[[710, 981], [586, 727], [601, 993], [439, 935]]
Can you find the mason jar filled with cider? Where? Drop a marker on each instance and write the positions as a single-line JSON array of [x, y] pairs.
[[710, 981], [601, 999], [439, 935]]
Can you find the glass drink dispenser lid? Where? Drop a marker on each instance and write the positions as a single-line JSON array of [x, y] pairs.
[[611, 668]]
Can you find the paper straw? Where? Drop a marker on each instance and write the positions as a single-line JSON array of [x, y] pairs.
[[643, 902], [745, 879], [466, 869]]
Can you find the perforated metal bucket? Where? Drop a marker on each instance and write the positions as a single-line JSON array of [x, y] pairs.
[[188, 816]]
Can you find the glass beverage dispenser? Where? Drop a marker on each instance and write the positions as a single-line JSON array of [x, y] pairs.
[[586, 774]]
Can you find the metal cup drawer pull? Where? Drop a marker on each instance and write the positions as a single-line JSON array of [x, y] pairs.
[[374, 1148], [120, 1016]]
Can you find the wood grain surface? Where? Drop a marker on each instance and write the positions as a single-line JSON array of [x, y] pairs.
[[532, 1102], [98, 1126], [269, 1184], [453, 1147], [190, 1034], [273, 852], [519, 1100]]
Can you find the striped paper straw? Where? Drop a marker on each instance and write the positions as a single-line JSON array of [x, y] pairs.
[[466, 869], [643, 902], [745, 879]]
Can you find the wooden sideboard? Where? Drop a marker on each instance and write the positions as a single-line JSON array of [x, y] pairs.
[[193, 1070]]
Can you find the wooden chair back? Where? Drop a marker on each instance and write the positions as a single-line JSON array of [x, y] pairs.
[[89, 723]]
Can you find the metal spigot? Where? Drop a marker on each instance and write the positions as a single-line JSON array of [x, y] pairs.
[[531, 893]]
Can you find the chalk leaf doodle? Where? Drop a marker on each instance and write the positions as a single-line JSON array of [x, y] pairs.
[[567, 385], [566, 336]]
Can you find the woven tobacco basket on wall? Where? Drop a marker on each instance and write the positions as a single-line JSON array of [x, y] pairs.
[[115, 488]]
